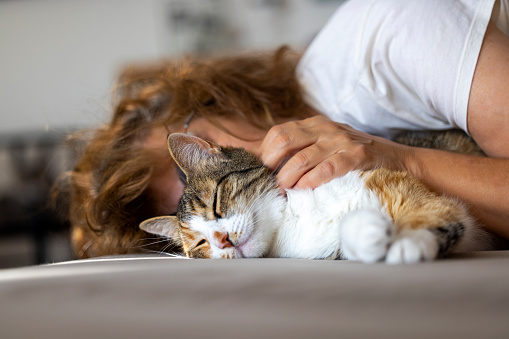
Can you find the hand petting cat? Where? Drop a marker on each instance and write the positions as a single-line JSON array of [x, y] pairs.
[[321, 150]]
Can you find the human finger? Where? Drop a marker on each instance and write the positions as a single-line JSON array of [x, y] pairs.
[[283, 141], [332, 167], [302, 162]]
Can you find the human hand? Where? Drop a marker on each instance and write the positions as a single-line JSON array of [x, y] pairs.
[[320, 150]]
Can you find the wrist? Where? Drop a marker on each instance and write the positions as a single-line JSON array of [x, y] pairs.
[[411, 160]]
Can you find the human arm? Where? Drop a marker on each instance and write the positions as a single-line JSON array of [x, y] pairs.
[[483, 183], [322, 149]]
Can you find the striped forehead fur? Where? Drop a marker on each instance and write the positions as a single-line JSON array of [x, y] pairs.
[[211, 195]]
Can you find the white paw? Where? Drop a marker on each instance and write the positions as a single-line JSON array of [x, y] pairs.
[[366, 235], [412, 246]]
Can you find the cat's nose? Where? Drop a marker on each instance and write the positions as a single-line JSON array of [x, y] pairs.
[[222, 240]]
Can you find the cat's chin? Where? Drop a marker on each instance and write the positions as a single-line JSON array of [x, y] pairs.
[[249, 249], [239, 254]]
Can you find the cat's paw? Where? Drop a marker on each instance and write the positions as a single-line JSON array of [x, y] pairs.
[[366, 235], [412, 246]]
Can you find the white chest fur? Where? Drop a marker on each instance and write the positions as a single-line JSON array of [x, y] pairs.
[[312, 219]]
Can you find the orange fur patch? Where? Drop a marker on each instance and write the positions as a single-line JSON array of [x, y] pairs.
[[410, 203]]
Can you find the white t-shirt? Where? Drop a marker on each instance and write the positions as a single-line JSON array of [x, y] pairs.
[[383, 66]]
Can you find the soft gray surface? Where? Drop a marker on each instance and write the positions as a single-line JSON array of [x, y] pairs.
[[465, 296]]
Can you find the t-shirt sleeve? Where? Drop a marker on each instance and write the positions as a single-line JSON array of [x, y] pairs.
[[413, 59], [424, 53]]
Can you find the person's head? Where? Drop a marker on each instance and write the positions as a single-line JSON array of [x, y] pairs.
[[125, 174]]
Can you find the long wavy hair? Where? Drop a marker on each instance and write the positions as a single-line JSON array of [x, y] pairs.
[[108, 188]]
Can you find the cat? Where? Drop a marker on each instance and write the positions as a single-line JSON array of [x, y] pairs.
[[232, 208]]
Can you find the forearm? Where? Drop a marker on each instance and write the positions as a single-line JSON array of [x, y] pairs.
[[482, 183], [321, 150]]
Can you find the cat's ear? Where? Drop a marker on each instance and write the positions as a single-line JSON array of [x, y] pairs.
[[188, 151], [166, 226]]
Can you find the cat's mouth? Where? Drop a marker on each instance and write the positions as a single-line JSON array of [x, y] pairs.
[[249, 247], [239, 248], [239, 253], [244, 236]]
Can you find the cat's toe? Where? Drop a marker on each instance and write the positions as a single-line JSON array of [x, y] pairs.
[[412, 246], [366, 235]]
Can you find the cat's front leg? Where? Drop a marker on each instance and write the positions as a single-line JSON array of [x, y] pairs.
[[366, 235], [424, 244], [411, 246]]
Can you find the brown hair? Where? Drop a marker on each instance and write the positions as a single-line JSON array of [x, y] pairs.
[[108, 186]]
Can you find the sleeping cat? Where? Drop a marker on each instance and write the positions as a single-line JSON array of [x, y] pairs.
[[232, 208]]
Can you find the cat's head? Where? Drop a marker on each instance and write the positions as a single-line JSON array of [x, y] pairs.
[[230, 206]]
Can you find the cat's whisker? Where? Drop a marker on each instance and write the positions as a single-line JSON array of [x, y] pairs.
[[145, 242], [154, 238], [173, 255], [155, 242], [163, 250]]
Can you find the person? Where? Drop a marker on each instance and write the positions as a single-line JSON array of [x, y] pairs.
[[377, 68]]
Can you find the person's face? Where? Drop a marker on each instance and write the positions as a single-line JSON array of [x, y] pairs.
[[166, 184]]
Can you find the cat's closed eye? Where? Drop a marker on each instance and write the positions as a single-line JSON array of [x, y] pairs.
[[201, 242]]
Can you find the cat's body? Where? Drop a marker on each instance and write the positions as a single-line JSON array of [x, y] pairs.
[[346, 219], [232, 208]]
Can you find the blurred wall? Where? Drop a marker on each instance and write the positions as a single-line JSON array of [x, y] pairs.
[[58, 58]]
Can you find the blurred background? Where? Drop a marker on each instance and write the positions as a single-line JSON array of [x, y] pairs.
[[58, 61]]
